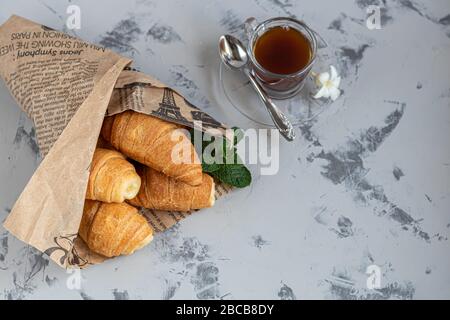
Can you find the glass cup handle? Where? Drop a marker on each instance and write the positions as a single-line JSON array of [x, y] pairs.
[[250, 27], [321, 43]]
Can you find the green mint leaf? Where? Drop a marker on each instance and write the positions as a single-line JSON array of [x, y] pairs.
[[229, 155], [236, 175], [238, 135], [209, 168]]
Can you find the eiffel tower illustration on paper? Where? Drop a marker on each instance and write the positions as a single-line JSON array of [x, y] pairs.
[[168, 108], [206, 119]]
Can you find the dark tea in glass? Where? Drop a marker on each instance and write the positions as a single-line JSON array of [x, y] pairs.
[[282, 51]]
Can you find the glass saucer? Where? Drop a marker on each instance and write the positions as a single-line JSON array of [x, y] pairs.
[[299, 109]]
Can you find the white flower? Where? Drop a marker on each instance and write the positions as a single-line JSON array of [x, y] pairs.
[[329, 84]]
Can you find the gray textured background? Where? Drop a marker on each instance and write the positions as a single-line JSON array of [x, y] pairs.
[[367, 182]]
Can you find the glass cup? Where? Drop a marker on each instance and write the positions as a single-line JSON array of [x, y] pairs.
[[279, 86]]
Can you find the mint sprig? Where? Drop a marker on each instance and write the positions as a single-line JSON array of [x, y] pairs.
[[235, 174]]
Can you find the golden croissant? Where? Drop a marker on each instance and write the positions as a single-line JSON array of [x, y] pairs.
[[113, 229], [161, 192], [148, 140], [112, 177]]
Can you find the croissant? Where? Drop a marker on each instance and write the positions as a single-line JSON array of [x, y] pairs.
[[112, 177], [161, 192], [148, 140], [113, 229]]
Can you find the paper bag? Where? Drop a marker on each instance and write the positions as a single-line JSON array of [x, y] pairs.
[[67, 86]]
